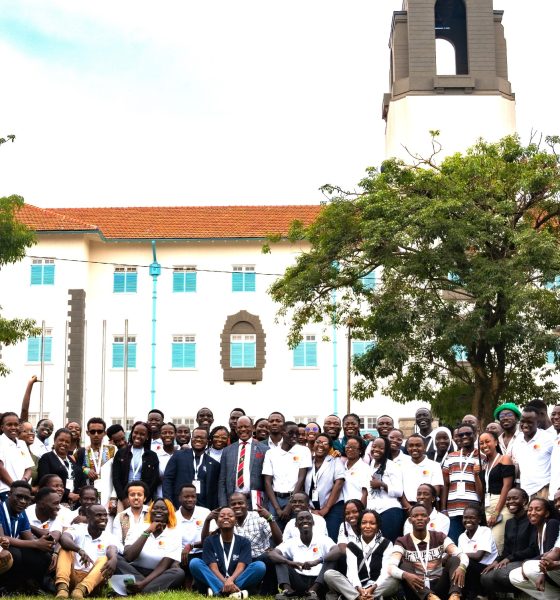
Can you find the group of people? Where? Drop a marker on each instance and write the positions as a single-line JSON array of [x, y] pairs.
[[286, 509]]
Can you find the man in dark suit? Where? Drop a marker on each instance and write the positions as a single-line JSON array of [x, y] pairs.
[[193, 465], [241, 465]]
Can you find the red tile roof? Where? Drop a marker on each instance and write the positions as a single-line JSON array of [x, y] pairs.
[[173, 222]]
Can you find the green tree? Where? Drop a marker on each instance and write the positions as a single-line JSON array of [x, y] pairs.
[[467, 302], [14, 239]]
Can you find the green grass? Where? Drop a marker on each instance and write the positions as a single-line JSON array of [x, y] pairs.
[[174, 595]]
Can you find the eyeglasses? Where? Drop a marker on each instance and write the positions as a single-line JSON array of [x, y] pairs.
[[464, 434], [96, 431], [505, 414], [311, 429]]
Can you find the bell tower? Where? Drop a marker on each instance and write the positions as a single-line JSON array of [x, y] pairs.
[[448, 71]]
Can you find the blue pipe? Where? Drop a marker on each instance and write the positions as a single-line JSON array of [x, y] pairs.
[[335, 357], [155, 272]]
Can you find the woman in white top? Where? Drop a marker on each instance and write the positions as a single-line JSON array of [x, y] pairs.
[[349, 530], [385, 489], [367, 560], [217, 441], [357, 472]]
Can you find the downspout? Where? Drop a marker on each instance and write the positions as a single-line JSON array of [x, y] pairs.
[[335, 358], [155, 271]]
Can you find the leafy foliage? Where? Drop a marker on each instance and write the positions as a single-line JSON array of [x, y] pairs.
[[467, 249]]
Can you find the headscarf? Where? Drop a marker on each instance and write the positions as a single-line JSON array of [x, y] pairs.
[[451, 447]]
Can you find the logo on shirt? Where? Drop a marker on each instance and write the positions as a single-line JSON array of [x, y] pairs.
[[198, 523], [296, 458], [315, 549], [536, 447], [433, 525], [425, 472], [100, 548], [161, 544]]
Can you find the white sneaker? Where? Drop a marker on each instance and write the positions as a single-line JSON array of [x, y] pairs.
[[242, 595], [210, 592]]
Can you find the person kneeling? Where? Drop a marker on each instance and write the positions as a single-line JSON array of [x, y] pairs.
[[226, 566], [366, 561], [88, 556], [418, 560], [299, 560]]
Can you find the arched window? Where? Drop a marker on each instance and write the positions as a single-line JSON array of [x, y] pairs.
[[451, 25], [243, 348], [445, 58]]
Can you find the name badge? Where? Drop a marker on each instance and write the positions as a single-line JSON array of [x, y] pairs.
[[486, 500], [97, 484], [427, 583], [315, 496], [461, 488], [70, 485], [196, 483]]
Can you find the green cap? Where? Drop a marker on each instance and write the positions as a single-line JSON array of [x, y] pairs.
[[507, 406]]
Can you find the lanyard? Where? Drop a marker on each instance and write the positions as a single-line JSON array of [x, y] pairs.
[[463, 469], [136, 468], [487, 473], [316, 475], [419, 555], [196, 467], [96, 465], [66, 465], [13, 533], [540, 539], [227, 559]]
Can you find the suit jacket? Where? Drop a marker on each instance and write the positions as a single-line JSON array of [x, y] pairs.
[[49, 464], [180, 470], [228, 470], [149, 472]]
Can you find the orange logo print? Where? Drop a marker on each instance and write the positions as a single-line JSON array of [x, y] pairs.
[[315, 549]]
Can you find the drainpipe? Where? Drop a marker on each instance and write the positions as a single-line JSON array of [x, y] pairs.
[[335, 358], [155, 272]]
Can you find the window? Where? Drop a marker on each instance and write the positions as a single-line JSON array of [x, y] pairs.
[[119, 421], [305, 353], [34, 417], [34, 350], [183, 352], [243, 351], [184, 279], [460, 353], [189, 421], [305, 418], [42, 271], [243, 278], [368, 422], [550, 358], [118, 352], [369, 281], [360, 347], [553, 285], [125, 279]]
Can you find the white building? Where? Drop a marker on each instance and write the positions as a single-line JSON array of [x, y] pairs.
[[217, 342]]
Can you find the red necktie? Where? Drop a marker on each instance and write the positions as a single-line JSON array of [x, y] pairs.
[[240, 465]]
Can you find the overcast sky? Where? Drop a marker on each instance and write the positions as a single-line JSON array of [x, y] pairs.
[[216, 102]]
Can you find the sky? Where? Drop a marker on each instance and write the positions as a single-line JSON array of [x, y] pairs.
[[135, 103]]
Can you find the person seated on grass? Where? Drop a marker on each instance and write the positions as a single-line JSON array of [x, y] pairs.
[[88, 497], [31, 557], [152, 555], [226, 567], [367, 561], [136, 513], [87, 557], [478, 544], [418, 561], [300, 561], [297, 503]]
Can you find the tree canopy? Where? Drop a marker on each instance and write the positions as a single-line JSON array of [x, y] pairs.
[[14, 239], [466, 309]]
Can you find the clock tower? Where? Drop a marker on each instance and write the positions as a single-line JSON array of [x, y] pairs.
[[466, 98]]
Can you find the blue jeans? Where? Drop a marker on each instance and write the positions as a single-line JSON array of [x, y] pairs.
[[334, 518], [392, 521], [456, 528], [249, 579]]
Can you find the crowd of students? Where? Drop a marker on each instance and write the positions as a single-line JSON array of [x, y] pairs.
[[280, 508]]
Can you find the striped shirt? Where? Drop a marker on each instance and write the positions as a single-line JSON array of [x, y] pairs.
[[462, 489]]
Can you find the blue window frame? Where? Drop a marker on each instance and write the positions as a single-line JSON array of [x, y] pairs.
[[183, 352], [243, 278], [305, 353], [125, 279], [118, 352], [460, 353], [42, 271], [369, 281], [550, 358], [360, 347], [243, 351], [184, 279], [34, 347], [553, 285]]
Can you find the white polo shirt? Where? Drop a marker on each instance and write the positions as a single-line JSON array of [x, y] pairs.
[[554, 467], [284, 466], [481, 540], [16, 458], [50, 525], [166, 545], [319, 527], [356, 478], [438, 522], [191, 529], [428, 471], [94, 548], [38, 448], [296, 550], [533, 458], [346, 534]]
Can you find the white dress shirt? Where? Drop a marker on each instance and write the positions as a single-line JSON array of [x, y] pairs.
[[381, 499], [427, 471], [533, 458]]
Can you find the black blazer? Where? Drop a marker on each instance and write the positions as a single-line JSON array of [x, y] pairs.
[[49, 464], [180, 470], [149, 473]]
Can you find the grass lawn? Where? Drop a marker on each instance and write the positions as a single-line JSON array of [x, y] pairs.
[[175, 595]]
